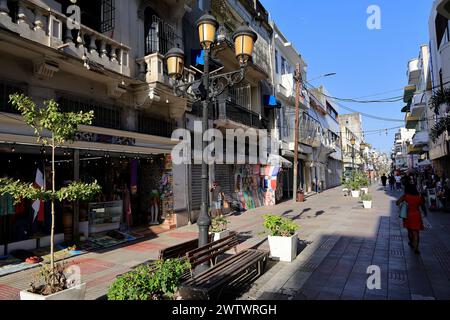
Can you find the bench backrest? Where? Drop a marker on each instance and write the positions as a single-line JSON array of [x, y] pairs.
[[212, 250], [179, 250]]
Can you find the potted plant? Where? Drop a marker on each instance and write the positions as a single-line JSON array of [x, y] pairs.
[[283, 237], [159, 281], [367, 201], [364, 181], [219, 227], [355, 187], [52, 128]]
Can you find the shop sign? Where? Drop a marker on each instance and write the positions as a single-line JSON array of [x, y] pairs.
[[102, 138]]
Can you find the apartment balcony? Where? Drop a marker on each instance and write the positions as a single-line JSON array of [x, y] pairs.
[[421, 139], [156, 91], [38, 23], [418, 105], [411, 121], [409, 93], [414, 150], [257, 10], [443, 8], [232, 116], [286, 87], [413, 72]]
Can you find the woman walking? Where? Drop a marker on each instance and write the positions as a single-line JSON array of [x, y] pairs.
[[413, 222]]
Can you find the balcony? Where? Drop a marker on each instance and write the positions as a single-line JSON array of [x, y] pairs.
[[444, 8], [418, 105], [411, 121], [157, 92], [409, 93], [421, 139], [232, 116], [413, 72], [39, 23], [256, 9], [415, 150]]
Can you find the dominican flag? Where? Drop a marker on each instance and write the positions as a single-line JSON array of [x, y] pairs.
[[38, 205]]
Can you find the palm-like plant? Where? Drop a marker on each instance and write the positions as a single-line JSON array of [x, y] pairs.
[[440, 98]]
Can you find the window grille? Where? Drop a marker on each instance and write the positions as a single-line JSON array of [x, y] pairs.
[[108, 20], [241, 96], [159, 35], [152, 126], [106, 116]]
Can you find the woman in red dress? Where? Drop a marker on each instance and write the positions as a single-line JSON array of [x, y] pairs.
[[414, 222]]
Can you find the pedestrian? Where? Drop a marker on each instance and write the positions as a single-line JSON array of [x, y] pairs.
[[413, 222], [217, 196], [398, 182], [391, 182], [384, 180]]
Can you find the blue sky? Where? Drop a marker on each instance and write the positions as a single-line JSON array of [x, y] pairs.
[[332, 36]]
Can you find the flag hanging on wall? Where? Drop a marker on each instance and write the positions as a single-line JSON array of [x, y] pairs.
[[38, 205]]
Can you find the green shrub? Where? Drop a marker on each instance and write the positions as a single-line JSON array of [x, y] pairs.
[[366, 197], [219, 224], [154, 282], [279, 226]]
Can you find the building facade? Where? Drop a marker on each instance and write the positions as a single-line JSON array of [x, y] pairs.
[[112, 63], [439, 48], [351, 130]]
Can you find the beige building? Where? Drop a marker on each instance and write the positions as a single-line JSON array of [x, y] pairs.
[[111, 63], [351, 128]]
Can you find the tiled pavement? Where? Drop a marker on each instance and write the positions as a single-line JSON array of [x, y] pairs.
[[339, 241], [345, 240]]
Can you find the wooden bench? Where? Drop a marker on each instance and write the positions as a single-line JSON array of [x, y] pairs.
[[240, 268]]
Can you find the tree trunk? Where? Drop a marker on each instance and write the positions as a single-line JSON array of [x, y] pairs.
[[52, 235]]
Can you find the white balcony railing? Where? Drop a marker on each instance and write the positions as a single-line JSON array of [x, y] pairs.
[[418, 105], [421, 139], [42, 24], [151, 70], [413, 71]]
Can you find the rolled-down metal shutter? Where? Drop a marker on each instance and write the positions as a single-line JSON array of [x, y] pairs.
[[196, 186], [224, 175]]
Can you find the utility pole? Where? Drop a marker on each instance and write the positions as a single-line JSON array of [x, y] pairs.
[[298, 88]]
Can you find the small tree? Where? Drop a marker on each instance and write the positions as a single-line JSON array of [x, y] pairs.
[[52, 128]]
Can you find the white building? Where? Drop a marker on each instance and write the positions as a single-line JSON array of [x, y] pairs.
[[439, 79]]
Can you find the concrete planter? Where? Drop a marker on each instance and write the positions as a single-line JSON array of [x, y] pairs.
[[367, 204], [283, 248], [74, 293], [365, 190], [220, 235], [356, 194]]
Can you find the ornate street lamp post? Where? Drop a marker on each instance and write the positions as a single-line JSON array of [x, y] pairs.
[[208, 88]]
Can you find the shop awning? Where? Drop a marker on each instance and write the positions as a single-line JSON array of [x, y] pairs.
[[277, 160], [425, 163]]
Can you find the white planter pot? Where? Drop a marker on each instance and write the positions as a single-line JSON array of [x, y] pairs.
[[356, 194], [365, 190], [283, 248], [220, 235], [367, 204], [74, 293]]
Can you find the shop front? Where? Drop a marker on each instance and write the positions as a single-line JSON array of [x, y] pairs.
[[135, 174]]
